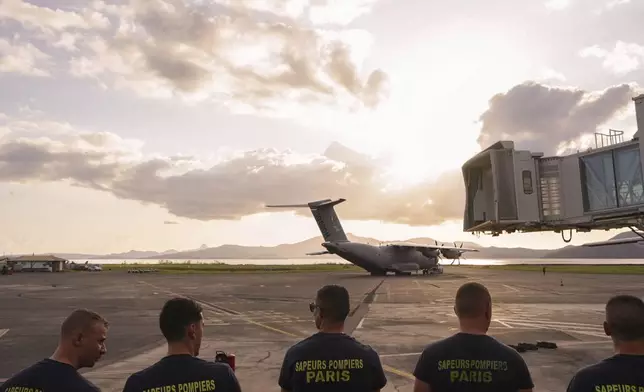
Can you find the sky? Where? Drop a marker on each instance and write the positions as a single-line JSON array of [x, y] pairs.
[[170, 124]]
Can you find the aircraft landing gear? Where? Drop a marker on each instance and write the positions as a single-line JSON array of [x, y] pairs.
[[379, 273], [425, 272]]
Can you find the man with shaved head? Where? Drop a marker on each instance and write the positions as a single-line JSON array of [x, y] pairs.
[[470, 360], [623, 371], [81, 344]]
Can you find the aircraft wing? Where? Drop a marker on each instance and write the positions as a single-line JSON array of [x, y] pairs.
[[418, 246], [323, 252], [630, 240]]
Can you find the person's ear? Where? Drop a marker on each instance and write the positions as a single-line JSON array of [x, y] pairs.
[[607, 330], [192, 331], [77, 339]]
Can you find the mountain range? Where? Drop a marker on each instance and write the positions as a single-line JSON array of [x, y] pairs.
[[299, 250]]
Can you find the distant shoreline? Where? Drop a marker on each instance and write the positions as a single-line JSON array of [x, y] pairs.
[[217, 268], [617, 269]]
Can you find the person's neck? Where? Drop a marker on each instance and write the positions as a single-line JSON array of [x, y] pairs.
[[332, 328], [472, 327], [179, 349], [630, 348], [60, 355]]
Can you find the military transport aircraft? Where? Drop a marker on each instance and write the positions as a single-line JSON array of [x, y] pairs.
[[401, 258]]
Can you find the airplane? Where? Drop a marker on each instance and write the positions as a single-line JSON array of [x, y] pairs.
[[401, 258]]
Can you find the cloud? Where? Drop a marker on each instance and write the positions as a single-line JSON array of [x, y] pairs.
[[546, 119], [315, 11], [223, 51], [236, 186], [50, 20], [23, 59], [624, 58], [557, 5]]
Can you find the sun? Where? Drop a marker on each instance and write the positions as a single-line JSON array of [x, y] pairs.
[[429, 125]]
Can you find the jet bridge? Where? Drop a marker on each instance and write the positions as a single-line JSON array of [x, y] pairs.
[[509, 190]]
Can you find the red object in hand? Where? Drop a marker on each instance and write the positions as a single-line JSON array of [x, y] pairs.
[[231, 361]]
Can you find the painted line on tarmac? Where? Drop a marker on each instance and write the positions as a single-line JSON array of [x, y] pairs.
[[399, 355], [399, 372], [360, 323], [3, 332], [504, 324], [511, 288], [390, 369], [582, 343], [385, 367], [211, 307]]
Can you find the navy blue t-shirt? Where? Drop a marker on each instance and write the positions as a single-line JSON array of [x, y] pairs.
[[183, 372], [48, 376], [468, 362], [619, 373], [331, 362]]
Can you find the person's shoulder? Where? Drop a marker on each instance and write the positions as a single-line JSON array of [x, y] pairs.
[[44, 365], [302, 344], [592, 369], [440, 345], [504, 348], [88, 385], [212, 366], [360, 345]]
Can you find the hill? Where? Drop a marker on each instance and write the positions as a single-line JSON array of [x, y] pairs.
[[299, 250]]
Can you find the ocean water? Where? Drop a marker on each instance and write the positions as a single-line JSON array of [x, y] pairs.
[[313, 260]]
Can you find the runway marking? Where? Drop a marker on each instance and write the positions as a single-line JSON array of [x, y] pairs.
[[385, 367], [360, 323], [504, 324], [399, 355], [582, 343], [399, 372], [566, 324], [210, 307], [3, 332], [511, 288]]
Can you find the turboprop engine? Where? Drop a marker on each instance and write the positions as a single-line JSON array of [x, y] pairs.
[[431, 253]]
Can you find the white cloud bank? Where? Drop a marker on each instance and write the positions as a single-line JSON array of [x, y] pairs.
[[549, 119], [622, 59], [543, 117], [226, 51], [236, 186]]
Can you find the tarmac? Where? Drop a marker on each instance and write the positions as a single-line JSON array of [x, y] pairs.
[[258, 316]]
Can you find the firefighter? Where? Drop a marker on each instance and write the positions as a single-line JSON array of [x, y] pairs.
[[181, 322]]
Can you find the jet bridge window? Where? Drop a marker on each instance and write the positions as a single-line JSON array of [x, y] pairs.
[[612, 179], [527, 182], [599, 178]]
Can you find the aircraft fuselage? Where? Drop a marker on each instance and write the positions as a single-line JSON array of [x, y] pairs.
[[383, 259]]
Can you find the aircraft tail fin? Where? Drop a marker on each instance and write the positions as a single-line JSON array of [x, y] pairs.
[[325, 217]]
